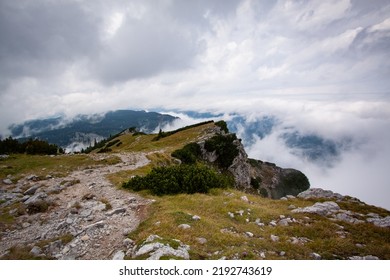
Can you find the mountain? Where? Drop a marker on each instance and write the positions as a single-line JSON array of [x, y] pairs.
[[83, 130], [112, 204]]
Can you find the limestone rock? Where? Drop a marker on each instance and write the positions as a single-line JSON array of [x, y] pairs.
[[380, 222], [369, 257], [201, 240], [316, 256], [274, 238], [7, 181], [320, 208], [347, 218], [120, 255], [156, 250], [319, 193], [31, 190], [184, 226], [36, 251], [116, 211], [37, 197]]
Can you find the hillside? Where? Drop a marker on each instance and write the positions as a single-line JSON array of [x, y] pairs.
[[74, 207], [83, 130]]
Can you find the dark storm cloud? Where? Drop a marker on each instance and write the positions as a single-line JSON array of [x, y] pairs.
[[41, 38]]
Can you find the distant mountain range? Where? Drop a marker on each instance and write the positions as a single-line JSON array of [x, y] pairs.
[[83, 130]]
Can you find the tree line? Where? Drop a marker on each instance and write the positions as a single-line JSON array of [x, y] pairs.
[[31, 147]]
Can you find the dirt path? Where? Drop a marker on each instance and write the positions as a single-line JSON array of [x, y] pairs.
[[87, 208]]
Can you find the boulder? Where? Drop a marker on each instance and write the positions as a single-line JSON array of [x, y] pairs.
[[7, 181], [120, 255], [320, 208], [319, 193], [36, 198], [184, 226], [380, 222]]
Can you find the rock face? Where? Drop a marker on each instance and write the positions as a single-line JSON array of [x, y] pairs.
[[255, 176], [240, 167]]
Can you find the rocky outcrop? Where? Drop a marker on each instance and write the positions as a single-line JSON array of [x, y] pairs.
[[253, 176], [155, 248], [240, 168]]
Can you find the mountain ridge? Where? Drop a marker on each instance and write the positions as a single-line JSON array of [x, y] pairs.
[[72, 206], [83, 130]]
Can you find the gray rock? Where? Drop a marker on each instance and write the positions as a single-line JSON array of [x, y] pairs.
[[196, 218], [291, 207], [289, 196], [249, 234], [184, 226], [346, 218], [32, 177], [97, 225], [152, 237], [284, 222], [315, 256], [244, 198], [274, 238], [116, 211], [282, 253], [31, 190], [320, 208], [120, 255], [37, 197], [369, 257], [380, 222], [36, 251], [284, 198], [7, 181], [85, 213], [158, 250], [231, 215], [201, 240], [319, 193], [273, 223], [128, 242], [299, 240]]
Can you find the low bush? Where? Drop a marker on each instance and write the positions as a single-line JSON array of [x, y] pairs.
[[188, 154], [225, 148], [177, 179]]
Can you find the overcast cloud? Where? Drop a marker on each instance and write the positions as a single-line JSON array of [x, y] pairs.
[[320, 66]]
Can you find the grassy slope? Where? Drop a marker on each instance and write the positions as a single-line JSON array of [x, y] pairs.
[[170, 211]]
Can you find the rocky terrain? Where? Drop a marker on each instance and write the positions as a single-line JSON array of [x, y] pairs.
[[87, 217], [72, 207]]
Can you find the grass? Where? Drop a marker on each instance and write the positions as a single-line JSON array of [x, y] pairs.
[[20, 165], [170, 211], [145, 143]]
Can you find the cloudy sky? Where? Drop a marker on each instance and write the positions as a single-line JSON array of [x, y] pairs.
[[322, 66]]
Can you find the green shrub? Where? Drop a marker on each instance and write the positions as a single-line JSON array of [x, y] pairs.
[[255, 182], [225, 148], [223, 126], [188, 154], [177, 179]]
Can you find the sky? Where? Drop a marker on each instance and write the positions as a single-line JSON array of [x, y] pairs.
[[320, 66]]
